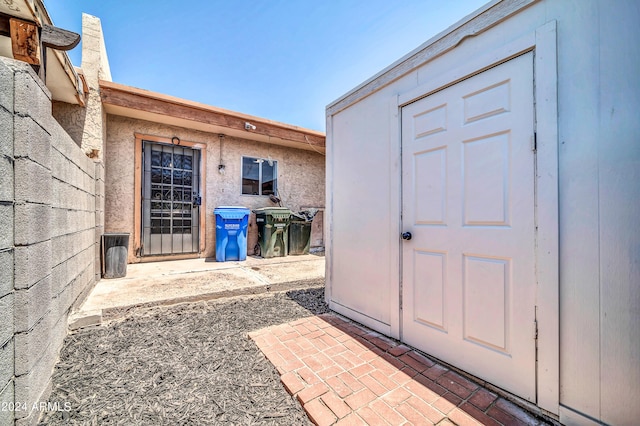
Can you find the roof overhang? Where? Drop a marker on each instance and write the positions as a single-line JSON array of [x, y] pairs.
[[60, 76], [132, 102]]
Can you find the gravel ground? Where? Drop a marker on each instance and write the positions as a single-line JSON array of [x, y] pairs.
[[189, 364]]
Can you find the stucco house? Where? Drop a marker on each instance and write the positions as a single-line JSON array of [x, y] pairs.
[[81, 156], [502, 187], [169, 162]]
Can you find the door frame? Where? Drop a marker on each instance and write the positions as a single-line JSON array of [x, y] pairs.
[[542, 42], [137, 188]]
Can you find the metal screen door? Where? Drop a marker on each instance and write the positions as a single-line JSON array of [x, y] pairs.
[[170, 199]]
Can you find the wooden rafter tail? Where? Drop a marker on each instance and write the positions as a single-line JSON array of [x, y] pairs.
[[59, 39]]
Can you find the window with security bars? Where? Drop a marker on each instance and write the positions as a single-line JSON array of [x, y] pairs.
[[259, 176], [171, 192]]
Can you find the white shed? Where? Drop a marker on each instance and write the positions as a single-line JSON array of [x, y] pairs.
[[506, 152]]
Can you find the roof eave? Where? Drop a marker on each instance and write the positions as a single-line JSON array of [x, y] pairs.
[[132, 102]]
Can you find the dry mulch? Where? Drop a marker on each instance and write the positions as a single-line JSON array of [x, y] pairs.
[[189, 364]]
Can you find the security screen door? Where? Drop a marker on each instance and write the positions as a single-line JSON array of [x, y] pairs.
[[170, 207], [469, 284]]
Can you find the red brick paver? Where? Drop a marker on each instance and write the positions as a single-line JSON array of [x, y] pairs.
[[345, 374]]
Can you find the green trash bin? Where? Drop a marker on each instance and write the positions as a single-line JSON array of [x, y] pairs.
[[273, 231], [300, 231]]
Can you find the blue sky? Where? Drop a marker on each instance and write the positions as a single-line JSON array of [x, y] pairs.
[[284, 60]]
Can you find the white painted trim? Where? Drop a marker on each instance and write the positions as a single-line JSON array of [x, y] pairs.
[[543, 43], [547, 250], [362, 319], [474, 66], [328, 217], [395, 210], [571, 417]]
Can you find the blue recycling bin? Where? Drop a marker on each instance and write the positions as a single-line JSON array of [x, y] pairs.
[[231, 233]]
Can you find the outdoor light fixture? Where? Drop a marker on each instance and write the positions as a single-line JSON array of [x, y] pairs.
[[220, 165]]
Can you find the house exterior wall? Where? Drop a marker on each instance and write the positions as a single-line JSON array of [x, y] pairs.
[[598, 61], [300, 176], [48, 239]]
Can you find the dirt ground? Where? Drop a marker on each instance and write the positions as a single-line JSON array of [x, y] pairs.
[[189, 364]]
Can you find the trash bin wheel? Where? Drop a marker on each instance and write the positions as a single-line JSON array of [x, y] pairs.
[[256, 250]]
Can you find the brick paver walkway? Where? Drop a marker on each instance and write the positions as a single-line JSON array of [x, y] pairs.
[[345, 374]]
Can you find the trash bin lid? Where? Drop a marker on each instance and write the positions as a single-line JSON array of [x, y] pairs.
[[276, 212], [295, 217], [231, 212], [304, 215]]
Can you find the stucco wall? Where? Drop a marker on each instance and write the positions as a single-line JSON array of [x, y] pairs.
[[300, 176], [48, 237], [72, 118]]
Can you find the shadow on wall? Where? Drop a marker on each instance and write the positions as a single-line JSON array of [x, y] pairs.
[[72, 119]]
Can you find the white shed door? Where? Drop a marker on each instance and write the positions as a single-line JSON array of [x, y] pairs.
[[468, 292]]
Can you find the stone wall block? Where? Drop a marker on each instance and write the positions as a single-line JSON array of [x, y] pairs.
[[32, 182], [6, 272], [89, 182], [57, 256], [64, 301], [32, 141], [31, 345], [6, 153], [7, 396], [6, 132], [32, 387], [6, 178], [6, 225], [32, 264], [57, 164], [59, 223], [59, 139], [6, 363], [32, 98], [6, 318], [32, 224], [6, 85], [58, 278], [31, 305], [56, 188]]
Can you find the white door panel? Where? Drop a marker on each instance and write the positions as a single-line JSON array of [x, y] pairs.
[[468, 200]]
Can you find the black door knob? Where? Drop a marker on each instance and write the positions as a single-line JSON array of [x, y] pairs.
[[406, 236]]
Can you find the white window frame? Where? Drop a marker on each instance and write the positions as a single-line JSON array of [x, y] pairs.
[[260, 182]]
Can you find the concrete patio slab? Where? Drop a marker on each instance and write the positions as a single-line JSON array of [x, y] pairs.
[[180, 281]]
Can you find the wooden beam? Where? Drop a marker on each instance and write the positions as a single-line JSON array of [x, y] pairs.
[[25, 41], [145, 102], [59, 39], [4, 25]]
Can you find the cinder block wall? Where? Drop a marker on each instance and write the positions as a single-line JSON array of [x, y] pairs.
[[7, 341], [48, 237]]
